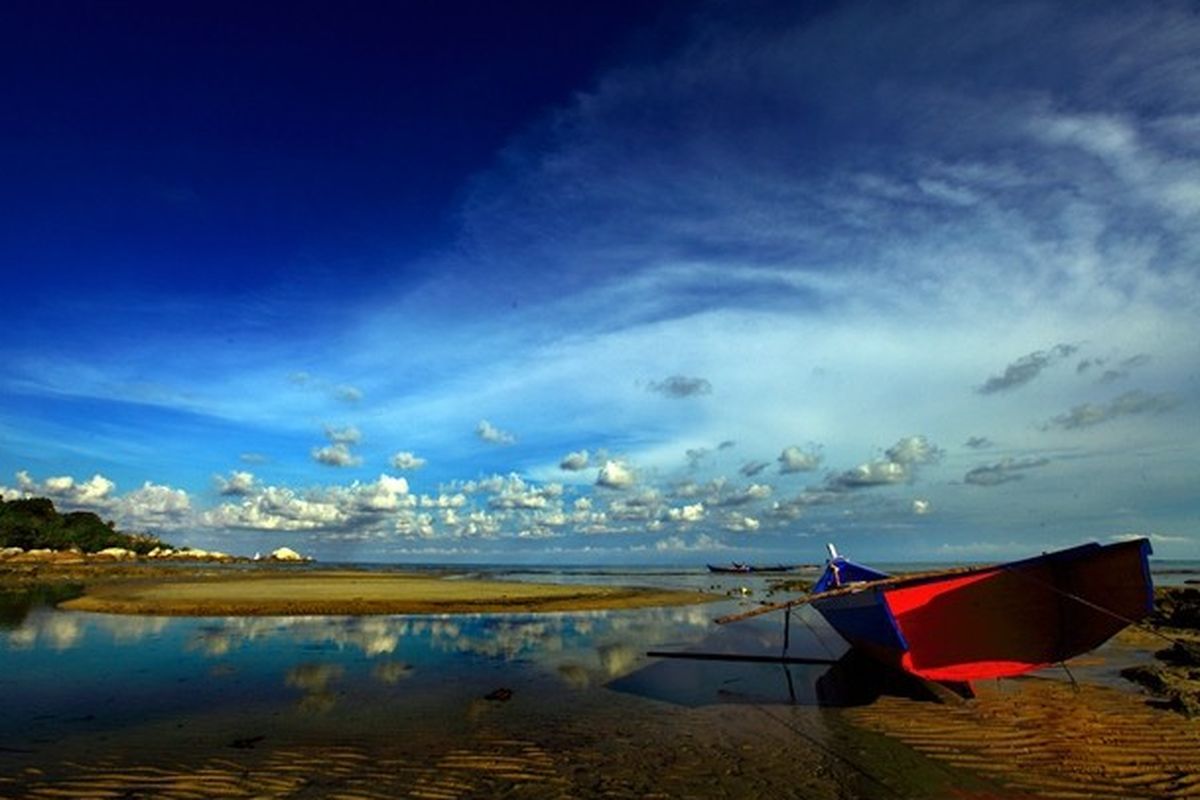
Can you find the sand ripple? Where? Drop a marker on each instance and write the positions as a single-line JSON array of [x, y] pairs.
[[496, 768], [1048, 739]]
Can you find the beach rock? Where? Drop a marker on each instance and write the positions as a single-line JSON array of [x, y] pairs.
[[116, 553], [286, 554], [1175, 678]]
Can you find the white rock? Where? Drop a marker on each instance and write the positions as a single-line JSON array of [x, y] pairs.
[[9, 552], [286, 554], [116, 552]]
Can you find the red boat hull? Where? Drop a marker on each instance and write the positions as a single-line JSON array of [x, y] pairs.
[[1000, 621]]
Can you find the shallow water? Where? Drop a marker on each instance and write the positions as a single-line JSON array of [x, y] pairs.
[[538, 705]]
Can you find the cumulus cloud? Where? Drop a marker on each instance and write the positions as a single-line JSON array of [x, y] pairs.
[[514, 493], [615, 475], [702, 543], [913, 450], [978, 442], [740, 523], [405, 460], [899, 465], [794, 459], [1026, 368], [154, 504], [493, 435], [755, 492], [679, 386], [575, 461], [1132, 403], [921, 507], [95, 491], [336, 455], [1005, 471], [150, 506], [359, 506], [687, 514], [238, 484]]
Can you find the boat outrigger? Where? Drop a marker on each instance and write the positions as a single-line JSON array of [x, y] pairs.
[[959, 625]]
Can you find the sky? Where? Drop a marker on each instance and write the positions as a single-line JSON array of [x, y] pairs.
[[605, 283]]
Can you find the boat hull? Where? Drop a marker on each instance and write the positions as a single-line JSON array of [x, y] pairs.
[[999, 621]]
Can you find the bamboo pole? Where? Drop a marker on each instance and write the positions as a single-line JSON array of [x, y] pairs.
[[850, 589]]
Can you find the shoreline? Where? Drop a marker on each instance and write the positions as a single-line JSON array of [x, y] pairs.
[[309, 592]]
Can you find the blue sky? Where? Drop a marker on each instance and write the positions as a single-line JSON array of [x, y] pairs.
[[603, 283]]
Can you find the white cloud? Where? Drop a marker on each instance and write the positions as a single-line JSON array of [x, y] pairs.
[[336, 455], [154, 504], [407, 461], [348, 435], [615, 475], [238, 484], [493, 435], [740, 523], [150, 506], [794, 459], [574, 461], [921, 507], [687, 514]]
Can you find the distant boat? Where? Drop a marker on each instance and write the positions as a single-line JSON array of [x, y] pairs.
[[996, 621], [733, 567], [738, 566]]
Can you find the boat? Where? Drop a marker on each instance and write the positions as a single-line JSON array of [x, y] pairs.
[[959, 625], [739, 567], [736, 566]]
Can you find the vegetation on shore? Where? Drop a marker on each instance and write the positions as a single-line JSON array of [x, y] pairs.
[[34, 523]]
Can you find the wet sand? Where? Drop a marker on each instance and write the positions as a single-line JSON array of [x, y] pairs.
[[346, 592]]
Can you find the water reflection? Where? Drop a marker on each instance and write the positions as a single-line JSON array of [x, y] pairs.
[[58, 667]]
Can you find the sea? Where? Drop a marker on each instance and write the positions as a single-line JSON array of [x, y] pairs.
[[440, 706]]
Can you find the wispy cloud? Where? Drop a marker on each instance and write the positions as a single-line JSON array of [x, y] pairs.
[[1025, 369], [1005, 471], [1132, 403], [679, 386]]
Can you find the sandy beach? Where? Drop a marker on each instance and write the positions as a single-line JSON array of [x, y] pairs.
[[283, 593]]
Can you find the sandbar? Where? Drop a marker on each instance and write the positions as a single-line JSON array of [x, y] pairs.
[[347, 592]]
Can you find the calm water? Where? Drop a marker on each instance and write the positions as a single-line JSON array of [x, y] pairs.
[[100, 685]]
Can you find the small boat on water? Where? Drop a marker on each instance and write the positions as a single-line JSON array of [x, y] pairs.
[[738, 566], [995, 621]]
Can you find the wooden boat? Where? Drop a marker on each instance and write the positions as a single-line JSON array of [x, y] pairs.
[[985, 622], [739, 567], [736, 566]]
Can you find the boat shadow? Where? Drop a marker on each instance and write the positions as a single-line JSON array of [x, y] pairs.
[[852, 680]]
